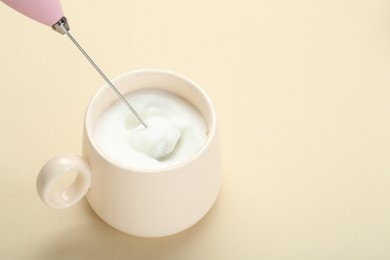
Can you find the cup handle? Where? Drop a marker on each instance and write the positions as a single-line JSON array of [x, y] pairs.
[[53, 170]]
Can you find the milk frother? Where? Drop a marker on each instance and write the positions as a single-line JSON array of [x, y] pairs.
[[49, 12]]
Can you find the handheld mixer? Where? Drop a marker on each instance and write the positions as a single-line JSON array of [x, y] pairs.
[[49, 12]]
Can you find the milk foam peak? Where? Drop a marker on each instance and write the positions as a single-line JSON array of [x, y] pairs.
[[176, 130]]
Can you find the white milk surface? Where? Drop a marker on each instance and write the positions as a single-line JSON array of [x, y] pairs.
[[175, 127]]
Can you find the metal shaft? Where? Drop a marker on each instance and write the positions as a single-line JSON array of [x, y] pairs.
[[62, 27]]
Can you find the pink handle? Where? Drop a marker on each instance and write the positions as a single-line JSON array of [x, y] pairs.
[[45, 11]]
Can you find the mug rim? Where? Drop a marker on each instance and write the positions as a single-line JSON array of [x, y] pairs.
[[211, 125]]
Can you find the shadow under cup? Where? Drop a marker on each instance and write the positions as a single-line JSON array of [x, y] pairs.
[[158, 202]]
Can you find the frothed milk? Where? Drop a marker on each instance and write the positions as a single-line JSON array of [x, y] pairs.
[[176, 130]]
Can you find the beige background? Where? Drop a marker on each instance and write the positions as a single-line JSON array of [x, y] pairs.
[[302, 93]]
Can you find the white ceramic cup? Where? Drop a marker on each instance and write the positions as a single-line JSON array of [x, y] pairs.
[[148, 203]]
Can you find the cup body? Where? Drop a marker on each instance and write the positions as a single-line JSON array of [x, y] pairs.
[[158, 202]]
